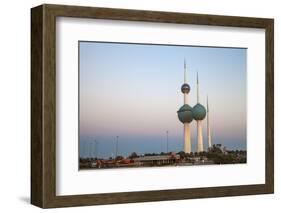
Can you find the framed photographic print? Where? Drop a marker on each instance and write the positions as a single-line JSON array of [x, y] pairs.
[[136, 106]]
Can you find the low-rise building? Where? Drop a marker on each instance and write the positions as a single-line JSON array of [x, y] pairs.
[[157, 160]]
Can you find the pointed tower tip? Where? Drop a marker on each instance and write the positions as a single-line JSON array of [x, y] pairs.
[[184, 71], [197, 89]]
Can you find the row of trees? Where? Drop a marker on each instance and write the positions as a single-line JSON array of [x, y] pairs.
[[217, 154]]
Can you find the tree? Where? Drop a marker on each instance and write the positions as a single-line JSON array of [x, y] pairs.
[[216, 149], [182, 154], [133, 155], [119, 158]]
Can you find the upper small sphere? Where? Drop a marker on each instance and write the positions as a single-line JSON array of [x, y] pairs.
[[185, 114], [185, 88], [199, 112]]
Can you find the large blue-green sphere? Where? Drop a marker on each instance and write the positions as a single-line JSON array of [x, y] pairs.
[[185, 88], [199, 112], [185, 114]]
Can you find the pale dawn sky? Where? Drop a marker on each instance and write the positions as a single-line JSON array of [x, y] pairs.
[[133, 91]]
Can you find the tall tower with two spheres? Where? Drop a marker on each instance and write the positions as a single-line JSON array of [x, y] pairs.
[[185, 114]]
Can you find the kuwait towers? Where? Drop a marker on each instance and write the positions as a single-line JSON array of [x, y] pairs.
[[186, 114]]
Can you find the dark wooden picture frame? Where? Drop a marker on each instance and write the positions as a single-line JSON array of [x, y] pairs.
[[43, 105]]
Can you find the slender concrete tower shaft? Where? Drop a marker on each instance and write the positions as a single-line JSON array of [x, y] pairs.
[[208, 126], [186, 135], [200, 147]]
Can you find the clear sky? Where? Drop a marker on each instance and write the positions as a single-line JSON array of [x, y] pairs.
[[133, 91]]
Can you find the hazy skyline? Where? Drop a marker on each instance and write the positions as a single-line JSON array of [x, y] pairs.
[[133, 91]]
